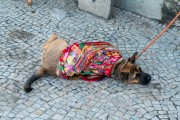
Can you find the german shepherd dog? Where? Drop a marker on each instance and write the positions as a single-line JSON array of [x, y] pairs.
[[125, 70]]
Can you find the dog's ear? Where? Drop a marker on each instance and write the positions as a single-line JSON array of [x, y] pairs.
[[133, 58]]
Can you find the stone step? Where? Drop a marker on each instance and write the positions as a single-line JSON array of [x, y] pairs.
[[102, 8]]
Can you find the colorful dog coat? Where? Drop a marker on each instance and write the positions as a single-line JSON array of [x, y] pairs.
[[89, 61]]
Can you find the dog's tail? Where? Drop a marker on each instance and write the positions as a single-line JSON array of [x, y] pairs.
[[37, 75]]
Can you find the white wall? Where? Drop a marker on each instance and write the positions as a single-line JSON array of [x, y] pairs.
[[149, 8], [163, 10]]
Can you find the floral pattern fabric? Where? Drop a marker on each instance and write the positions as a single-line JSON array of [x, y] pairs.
[[89, 61]]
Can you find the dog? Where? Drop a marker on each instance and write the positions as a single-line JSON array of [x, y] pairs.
[[90, 61]]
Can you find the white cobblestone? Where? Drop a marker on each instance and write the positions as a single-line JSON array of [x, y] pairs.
[[56, 98]]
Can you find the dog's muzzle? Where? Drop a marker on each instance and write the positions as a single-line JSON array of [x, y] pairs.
[[144, 78]]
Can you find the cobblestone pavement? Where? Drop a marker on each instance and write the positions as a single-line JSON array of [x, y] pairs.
[[23, 31]]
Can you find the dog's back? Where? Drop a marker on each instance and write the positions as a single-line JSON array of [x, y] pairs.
[[51, 53]]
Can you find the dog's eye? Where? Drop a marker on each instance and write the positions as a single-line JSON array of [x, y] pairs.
[[124, 76]]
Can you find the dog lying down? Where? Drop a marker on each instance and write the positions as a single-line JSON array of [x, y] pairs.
[[90, 61]]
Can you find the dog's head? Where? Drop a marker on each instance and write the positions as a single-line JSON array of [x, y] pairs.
[[128, 71]]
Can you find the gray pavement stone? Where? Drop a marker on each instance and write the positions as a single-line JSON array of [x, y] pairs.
[[119, 114], [25, 29], [155, 118], [58, 117]]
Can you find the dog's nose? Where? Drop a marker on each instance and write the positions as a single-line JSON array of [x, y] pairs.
[[146, 80]]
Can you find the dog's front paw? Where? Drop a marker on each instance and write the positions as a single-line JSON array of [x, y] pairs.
[[28, 89]]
